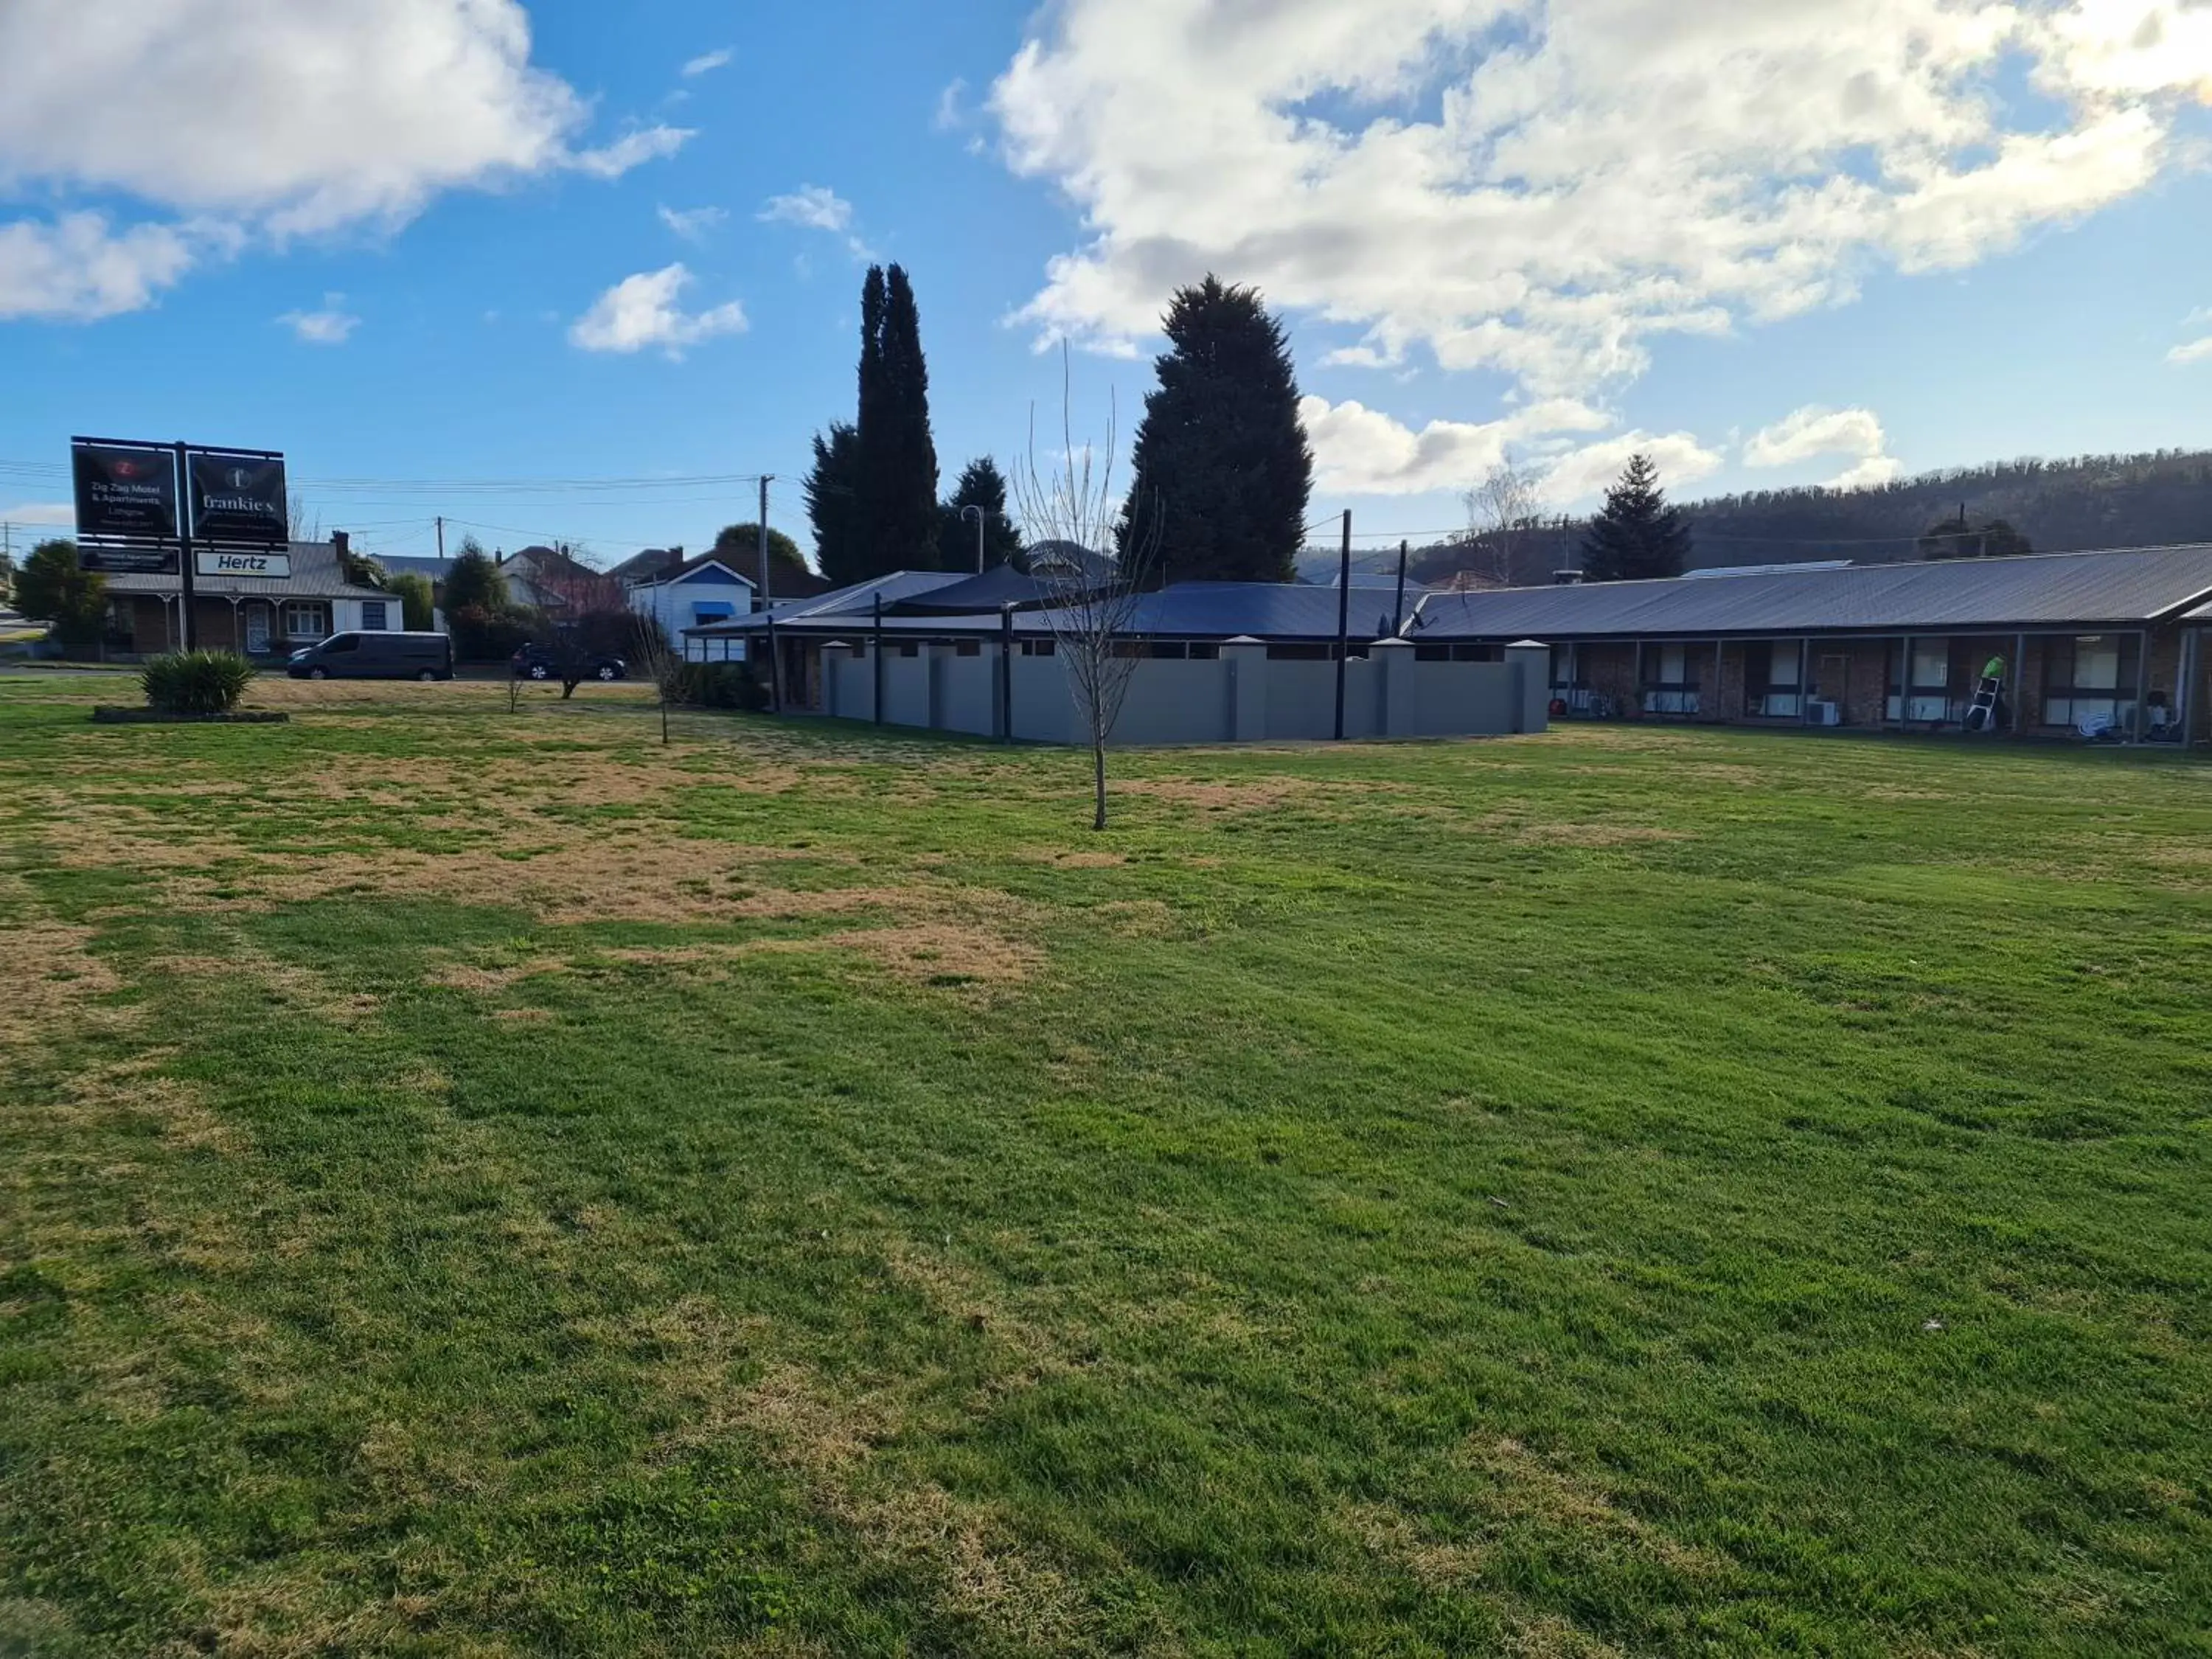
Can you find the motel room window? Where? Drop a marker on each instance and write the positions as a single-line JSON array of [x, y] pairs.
[[375, 614], [1037, 647], [1204, 651], [1772, 678], [1669, 683], [967, 648], [2089, 675], [306, 619]]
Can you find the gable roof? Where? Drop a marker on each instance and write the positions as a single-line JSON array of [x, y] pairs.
[[2124, 587], [856, 600], [316, 574], [642, 568]]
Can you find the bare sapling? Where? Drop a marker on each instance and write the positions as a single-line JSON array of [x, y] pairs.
[[1090, 595]]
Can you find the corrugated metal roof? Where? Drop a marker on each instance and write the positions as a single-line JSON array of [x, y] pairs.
[[1265, 611], [1209, 610], [314, 576], [2052, 589], [859, 597], [995, 588]]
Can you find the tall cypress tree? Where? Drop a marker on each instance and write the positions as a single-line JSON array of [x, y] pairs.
[[833, 507], [896, 457], [981, 485], [1638, 535], [1221, 462]]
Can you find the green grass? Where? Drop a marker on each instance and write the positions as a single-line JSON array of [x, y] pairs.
[[476, 1184]]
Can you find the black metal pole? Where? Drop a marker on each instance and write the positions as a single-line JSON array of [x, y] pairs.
[[876, 653], [1398, 606], [185, 557], [1006, 673], [1343, 618]]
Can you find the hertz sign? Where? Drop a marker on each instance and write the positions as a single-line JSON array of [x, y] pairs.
[[139, 504]]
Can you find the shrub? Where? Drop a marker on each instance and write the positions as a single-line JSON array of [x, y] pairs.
[[718, 686], [196, 681], [417, 608], [481, 633]]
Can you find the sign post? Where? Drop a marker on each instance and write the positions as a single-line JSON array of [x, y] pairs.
[[184, 555], [153, 509]]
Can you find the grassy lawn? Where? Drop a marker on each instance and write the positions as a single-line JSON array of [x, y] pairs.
[[487, 1184]]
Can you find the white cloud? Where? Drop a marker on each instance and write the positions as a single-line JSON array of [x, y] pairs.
[[816, 207], [1359, 450], [78, 270], [1582, 474], [692, 224], [950, 114], [249, 121], [633, 149], [1541, 187], [332, 325], [707, 62], [39, 512], [2196, 351], [642, 311], [1804, 434]]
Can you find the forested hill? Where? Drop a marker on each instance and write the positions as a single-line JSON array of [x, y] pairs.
[[2090, 501]]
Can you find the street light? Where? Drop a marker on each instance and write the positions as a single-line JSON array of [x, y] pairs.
[[981, 514]]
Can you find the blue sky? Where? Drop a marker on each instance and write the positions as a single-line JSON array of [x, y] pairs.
[[1482, 251]]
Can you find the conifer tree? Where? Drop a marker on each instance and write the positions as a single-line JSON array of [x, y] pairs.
[[981, 485], [833, 507], [1638, 535], [897, 522], [1221, 464]]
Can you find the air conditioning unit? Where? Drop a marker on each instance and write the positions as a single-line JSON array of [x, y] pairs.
[[1821, 711]]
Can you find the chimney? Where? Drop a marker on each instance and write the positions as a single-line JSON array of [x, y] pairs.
[[499, 556], [341, 543]]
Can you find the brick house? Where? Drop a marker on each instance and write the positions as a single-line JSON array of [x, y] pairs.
[[263, 616], [2113, 635]]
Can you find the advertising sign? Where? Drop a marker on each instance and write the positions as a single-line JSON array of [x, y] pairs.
[[217, 561], [126, 505], [238, 498]]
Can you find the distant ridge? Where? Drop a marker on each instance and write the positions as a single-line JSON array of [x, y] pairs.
[[2150, 500]]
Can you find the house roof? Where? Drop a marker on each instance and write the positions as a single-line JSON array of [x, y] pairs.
[[992, 590], [743, 563], [412, 564], [2121, 587], [844, 603], [644, 567], [1276, 610], [316, 574], [1279, 611]]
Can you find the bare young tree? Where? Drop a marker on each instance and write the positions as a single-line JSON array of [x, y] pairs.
[[1091, 598], [663, 667], [1502, 513]]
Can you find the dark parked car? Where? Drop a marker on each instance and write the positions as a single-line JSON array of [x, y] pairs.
[[543, 662], [375, 656]]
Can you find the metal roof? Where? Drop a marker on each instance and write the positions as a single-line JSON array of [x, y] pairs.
[[413, 565], [2130, 586], [992, 590], [1208, 610], [315, 575], [840, 602]]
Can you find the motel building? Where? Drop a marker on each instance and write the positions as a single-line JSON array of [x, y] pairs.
[[265, 604], [2108, 642]]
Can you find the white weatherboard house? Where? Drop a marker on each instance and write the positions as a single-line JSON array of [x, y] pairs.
[[696, 593]]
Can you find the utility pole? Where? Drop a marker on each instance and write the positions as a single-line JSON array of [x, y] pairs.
[[1343, 618], [1398, 610], [981, 514], [189, 597], [441, 537], [768, 603]]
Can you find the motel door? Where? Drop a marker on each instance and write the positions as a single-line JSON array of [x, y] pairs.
[[257, 630]]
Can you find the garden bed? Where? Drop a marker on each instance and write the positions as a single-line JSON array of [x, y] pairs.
[[109, 714]]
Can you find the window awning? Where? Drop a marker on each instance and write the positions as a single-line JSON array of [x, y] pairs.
[[712, 611]]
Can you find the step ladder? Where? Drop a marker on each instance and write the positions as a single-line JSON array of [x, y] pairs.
[[1982, 713]]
